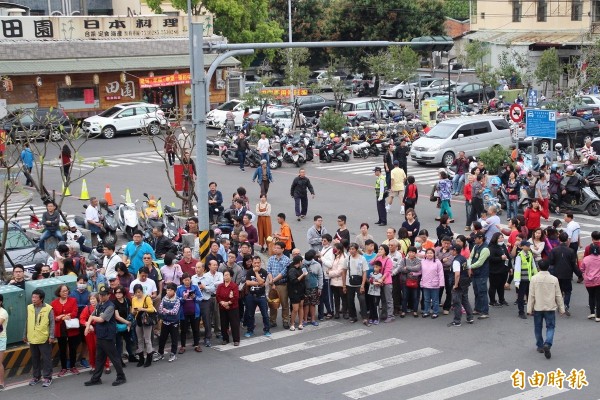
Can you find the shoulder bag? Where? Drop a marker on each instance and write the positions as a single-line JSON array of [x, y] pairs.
[[354, 280], [148, 318]]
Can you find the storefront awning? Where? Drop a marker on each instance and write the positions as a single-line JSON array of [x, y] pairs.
[[521, 38], [93, 65]]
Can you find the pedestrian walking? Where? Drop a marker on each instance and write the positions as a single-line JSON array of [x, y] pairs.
[[299, 191], [39, 334], [590, 267], [380, 191], [398, 177], [543, 300], [106, 332], [66, 163], [242, 149], [563, 262], [411, 194], [185, 142], [444, 187], [574, 231], [27, 160], [402, 153], [263, 146], [170, 147], [460, 288], [263, 224], [263, 176]]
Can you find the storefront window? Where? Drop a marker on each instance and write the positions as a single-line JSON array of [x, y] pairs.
[[165, 97], [78, 97]]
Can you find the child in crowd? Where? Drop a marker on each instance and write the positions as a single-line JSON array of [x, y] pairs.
[[375, 281]]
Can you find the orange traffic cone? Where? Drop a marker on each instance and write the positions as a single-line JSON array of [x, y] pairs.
[[108, 196], [84, 191]]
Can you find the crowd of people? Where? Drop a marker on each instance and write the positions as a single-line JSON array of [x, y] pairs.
[[129, 303]]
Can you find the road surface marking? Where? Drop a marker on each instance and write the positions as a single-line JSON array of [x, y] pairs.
[[536, 394], [466, 387]]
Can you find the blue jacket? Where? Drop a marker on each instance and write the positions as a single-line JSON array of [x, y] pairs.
[[180, 290], [258, 174], [27, 158]]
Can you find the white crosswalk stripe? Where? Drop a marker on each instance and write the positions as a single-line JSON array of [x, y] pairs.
[[338, 355], [492, 384], [305, 345], [410, 379], [423, 175], [466, 387]]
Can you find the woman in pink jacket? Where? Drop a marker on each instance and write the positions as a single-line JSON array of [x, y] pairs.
[[432, 279], [590, 267], [336, 281]]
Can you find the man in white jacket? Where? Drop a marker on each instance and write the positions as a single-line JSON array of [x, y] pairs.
[[326, 257]]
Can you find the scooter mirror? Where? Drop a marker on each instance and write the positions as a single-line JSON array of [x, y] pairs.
[[145, 195], [31, 208]]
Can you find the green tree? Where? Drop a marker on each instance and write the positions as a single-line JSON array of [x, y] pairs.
[[332, 121], [511, 61], [476, 55], [295, 70], [548, 70], [457, 9], [395, 63]]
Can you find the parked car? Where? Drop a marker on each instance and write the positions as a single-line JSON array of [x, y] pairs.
[[126, 118], [442, 102], [433, 86], [37, 123], [591, 99], [576, 107], [475, 92], [470, 134], [253, 86], [21, 250], [311, 105], [322, 79], [400, 90], [367, 107], [575, 129], [216, 117]]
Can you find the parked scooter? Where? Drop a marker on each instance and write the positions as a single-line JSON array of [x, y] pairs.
[[229, 155], [340, 152], [127, 218], [585, 201], [325, 151], [109, 222], [34, 221]]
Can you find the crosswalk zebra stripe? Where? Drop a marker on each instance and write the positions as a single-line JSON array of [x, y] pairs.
[[409, 379], [338, 355], [277, 335], [373, 366], [537, 393], [305, 345], [466, 387], [343, 166]]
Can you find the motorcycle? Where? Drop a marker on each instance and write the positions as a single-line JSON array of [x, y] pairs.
[[229, 155], [294, 155], [340, 152], [275, 159], [212, 146], [34, 220], [585, 201], [109, 222], [127, 218], [171, 230]]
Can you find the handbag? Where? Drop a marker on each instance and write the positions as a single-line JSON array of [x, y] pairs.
[[354, 280], [513, 197], [121, 328], [72, 323], [148, 318], [412, 283], [434, 194]]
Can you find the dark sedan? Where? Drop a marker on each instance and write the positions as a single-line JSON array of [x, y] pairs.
[[474, 91], [569, 130], [312, 104], [37, 123]]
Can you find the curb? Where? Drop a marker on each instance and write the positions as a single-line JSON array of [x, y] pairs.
[[17, 361]]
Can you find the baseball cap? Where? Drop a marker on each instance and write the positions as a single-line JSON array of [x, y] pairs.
[[525, 243], [480, 236], [103, 291], [111, 277], [396, 162]]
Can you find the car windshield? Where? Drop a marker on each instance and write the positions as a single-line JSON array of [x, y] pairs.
[[347, 107], [17, 240], [110, 112], [441, 131], [229, 106], [314, 75]]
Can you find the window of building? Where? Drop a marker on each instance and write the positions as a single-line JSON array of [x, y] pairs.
[[595, 10], [516, 10], [542, 10], [235, 87], [78, 97], [576, 10]]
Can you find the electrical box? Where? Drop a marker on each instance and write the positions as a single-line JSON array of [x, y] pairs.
[[69, 280], [16, 305], [48, 285], [429, 112]]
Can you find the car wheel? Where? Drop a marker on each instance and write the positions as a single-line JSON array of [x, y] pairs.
[[154, 128], [400, 94], [55, 136], [448, 158], [426, 95], [108, 132], [544, 146]]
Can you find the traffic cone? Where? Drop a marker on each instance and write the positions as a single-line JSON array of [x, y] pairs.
[[84, 191], [159, 207], [108, 196], [67, 192], [173, 204], [128, 196]]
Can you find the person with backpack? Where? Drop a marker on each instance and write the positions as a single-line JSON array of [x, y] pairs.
[[313, 286]]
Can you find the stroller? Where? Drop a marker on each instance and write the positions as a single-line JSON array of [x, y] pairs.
[[490, 195]]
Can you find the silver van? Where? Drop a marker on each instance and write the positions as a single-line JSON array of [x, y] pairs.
[[469, 134]]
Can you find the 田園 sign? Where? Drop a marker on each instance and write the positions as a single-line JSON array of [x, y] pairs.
[[99, 27]]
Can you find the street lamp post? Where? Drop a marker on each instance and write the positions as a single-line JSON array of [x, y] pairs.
[[449, 89], [290, 50]]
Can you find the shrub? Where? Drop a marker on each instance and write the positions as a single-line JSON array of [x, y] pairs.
[[494, 157], [332, 121]]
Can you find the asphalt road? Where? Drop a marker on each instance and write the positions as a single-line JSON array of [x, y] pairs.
[[406, 359]]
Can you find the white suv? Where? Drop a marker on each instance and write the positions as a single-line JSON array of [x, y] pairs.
[[126, 118]]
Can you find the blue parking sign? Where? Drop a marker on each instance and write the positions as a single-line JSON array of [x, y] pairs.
[[533, 98], [540, 124]]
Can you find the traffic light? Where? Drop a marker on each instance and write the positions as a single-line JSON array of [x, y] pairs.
[[440, 43]]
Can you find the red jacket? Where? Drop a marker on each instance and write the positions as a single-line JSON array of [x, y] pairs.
[[228, 293], [70, 307], [533, 217]]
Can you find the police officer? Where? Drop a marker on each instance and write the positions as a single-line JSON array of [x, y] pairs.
[[379, 195], [104, 323]]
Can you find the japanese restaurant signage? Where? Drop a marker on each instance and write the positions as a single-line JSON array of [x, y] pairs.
[[97, 27]]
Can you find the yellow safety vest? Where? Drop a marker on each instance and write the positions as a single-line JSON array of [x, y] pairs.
[[527, 264], [38, 329]]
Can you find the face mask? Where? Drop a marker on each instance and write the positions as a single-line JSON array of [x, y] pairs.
[[501, 242], [46, 274], [81, 286], [90, 273], [418, 245]]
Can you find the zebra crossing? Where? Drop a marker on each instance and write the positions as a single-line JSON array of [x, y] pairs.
[[423, 175], [89, 163], [331, 361], [22, 211]]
